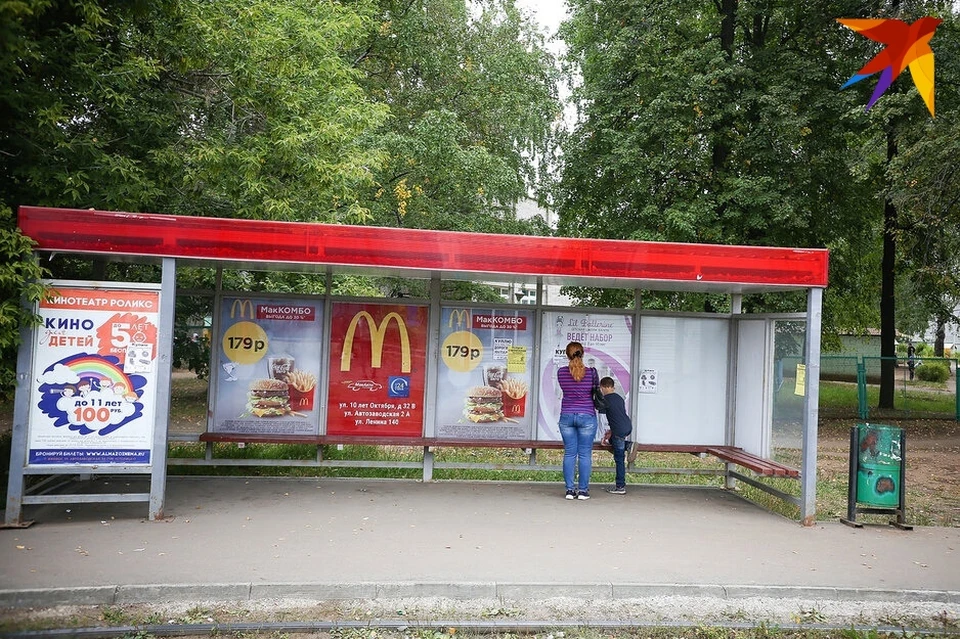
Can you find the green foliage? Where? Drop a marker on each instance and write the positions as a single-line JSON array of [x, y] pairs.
[[922, 183], [229, 108], [933, 372], [724, 122], [20, 275], [685, 137], [471, 90], [286, 127]]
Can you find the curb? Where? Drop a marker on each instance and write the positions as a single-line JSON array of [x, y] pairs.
[[239, 592]]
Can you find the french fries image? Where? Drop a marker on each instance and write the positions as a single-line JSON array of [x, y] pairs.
[[515, 388], [301, 380]]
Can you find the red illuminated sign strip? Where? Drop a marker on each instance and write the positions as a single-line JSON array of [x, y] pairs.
[[206, 238]]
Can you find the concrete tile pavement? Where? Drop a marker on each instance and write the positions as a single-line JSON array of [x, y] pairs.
[[257, 538]]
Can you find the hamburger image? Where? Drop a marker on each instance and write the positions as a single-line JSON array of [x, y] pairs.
[[268, 398], [483, 404]]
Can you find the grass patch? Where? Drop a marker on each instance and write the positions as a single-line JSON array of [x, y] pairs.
[[188, 403], [736, 625], [911, 399]]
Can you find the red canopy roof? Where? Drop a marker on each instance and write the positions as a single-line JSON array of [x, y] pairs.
[[268, 245]]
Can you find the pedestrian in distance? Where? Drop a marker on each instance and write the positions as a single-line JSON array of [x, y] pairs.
[[911, 358], [578, 421], [616, 437]]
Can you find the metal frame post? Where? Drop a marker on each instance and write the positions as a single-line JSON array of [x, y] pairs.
[[636, 361], [811, 410], [863, 410], [326, 330], [18, 443], [432, 376], [956, 390], [158, 458], [733, 353], [852, 471]]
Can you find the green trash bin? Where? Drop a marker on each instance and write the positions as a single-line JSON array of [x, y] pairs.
[[878, 475]]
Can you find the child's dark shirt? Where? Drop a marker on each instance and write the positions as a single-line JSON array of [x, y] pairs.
[[617, 418]]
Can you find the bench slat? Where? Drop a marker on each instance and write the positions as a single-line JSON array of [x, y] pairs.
[[757, 464], [730, 454]]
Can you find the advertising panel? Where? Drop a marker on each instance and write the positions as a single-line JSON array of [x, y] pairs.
[[269, 359], [377, 369], [606, 343], [94, 376], [485, 374]]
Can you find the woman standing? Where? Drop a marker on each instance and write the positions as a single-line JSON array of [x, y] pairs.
[[578, 421]]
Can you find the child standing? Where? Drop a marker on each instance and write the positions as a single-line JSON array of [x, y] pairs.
[[620, 429]]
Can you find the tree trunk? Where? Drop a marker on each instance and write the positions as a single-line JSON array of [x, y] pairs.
[[941, 338], [721, 146], [888, 315]]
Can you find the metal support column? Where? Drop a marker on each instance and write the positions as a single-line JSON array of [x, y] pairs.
[[733, 354], [811, 402], [325, 340], [432, 376], [158, 458], [18, 443], [636, 363]]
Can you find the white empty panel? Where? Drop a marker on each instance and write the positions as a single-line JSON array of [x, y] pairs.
[[751, 422], [689, 356]]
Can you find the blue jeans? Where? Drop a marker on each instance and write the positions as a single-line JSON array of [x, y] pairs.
[[619, 445], [577, 431]]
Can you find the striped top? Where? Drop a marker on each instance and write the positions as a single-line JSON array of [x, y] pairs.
[[577, 396]]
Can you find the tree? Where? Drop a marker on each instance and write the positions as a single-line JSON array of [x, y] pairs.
[[20, 275], [707, 122], [472, 95], [893, 128], [227, 108], [230, 108]]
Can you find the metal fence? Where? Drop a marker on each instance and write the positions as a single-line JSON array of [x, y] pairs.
[[927, 389], [850, 388]]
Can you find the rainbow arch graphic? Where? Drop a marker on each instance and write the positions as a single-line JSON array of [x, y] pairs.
[[99, 368]]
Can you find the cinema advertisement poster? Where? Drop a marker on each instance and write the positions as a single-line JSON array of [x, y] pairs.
[[269, 366], [93, 398], [485, 373], [377, 369], [606, 340]]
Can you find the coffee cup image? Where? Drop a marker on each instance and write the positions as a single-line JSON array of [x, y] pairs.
[[280, 367]]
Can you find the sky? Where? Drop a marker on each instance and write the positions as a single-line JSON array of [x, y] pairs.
[[548, 12]]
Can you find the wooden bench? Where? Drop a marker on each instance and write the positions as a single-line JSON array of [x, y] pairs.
[[729, 454], [759, 465]]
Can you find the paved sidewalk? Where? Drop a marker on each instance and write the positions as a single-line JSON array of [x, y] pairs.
[[259, 538]]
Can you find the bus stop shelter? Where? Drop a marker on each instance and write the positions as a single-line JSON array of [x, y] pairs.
[[443, 344]]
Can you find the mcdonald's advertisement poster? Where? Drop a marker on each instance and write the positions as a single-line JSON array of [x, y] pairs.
[[606, 340], [269, 366], [377, 369], [94, 372], [485, 373]]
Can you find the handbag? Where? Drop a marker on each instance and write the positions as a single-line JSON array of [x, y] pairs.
[[599, 401]]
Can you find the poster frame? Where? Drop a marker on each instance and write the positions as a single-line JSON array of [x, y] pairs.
[[428, 371], [156, 469], [532, 314], [119, 468], [322, 301]]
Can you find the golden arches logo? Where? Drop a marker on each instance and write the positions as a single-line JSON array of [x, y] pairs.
[[377, 333], [243, 306], [462, 315]]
